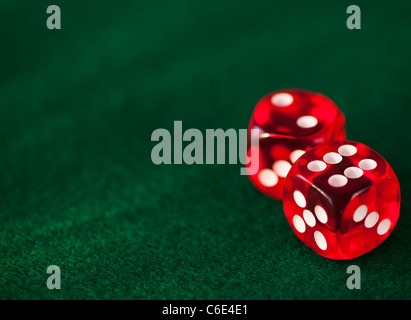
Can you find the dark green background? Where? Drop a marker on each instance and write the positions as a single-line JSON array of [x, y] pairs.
[[77, 109]]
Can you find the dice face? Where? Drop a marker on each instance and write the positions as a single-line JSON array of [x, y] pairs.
[[341, 199], [290, 122]]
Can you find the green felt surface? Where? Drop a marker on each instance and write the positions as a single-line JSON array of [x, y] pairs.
[[78, 105]]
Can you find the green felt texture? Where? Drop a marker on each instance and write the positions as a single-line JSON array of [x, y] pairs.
[[77, 109]]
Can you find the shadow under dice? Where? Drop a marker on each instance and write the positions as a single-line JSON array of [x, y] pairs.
[[342, 199], [290, 122]]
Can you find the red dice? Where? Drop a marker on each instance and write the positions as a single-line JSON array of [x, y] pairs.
[[341, 199], [290, 122]]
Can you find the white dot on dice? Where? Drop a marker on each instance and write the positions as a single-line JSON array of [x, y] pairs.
[[282, 99], [320, 240], [367, 164], [321, 214], [295, 155], [281, 168], [299, 199], [337, 181], [347, 150], [371, 220], [353, 172], [384, 226], [316, 166], [332, 158], [267, 178], [360, 213], [299, 224], [307, 122], [309, 218]]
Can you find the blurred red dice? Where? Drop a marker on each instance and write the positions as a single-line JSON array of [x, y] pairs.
[[290, 122], [341, 199]]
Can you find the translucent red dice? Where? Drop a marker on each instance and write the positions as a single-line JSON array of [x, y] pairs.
[[290, 122], [341, 199]]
